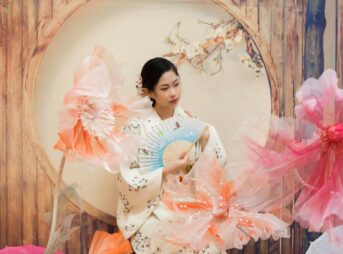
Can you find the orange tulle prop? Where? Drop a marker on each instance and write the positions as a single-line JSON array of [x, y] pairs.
[[105, 243], [95, 110], [208, 209]]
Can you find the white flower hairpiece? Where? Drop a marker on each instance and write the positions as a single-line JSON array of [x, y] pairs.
[[139, 83], [141, 91]]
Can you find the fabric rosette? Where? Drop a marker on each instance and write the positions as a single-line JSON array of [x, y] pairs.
[[308, 158], [95, 110], [208, 209]]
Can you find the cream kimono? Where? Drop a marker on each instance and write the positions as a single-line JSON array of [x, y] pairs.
[[139, 207]]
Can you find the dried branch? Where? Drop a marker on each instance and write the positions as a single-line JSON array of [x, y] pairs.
[[223, 33]]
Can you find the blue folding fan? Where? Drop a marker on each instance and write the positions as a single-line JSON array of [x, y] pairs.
[[167, 140]]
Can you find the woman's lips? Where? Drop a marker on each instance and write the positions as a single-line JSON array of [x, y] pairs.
[[174, 101]]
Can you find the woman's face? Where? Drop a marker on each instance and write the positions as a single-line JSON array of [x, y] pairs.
[[167, 91]]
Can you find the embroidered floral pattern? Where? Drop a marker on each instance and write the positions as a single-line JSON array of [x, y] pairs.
[[132, 128], [125, 202], [129, 227], [140, 242], [218, 151], [133, 164], [144, 151], [119, 179], [134, 186], [138, 184], [189, 251], [152, 203], [158, 250]]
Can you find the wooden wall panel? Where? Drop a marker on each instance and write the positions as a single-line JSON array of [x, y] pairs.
[[74, 244], [265, 19], [276, 42], [45, 14], [299, 35], [339, 41], [57, 5], [14, 129], [315, 24], [29, 173], [3, 122], [25, 188], [44, 184], [276, 49], [251, 11], [264, 28], [44, 205], [299, 38], [289, 47], [314, 29]]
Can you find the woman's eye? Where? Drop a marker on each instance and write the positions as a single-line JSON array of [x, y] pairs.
[[176, 84], [164, 89]]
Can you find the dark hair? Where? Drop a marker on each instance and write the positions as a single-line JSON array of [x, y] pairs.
[[153, 70]]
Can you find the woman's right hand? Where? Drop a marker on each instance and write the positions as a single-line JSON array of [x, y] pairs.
[[177, 165]]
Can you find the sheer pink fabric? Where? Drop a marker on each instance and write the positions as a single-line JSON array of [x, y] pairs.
[[207, 208], [28, 249], [310, 161], [94, 111]]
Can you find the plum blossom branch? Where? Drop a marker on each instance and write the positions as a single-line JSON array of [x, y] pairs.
[[221, 37]]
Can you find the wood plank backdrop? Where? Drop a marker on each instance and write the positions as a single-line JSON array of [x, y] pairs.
[[26, 189]]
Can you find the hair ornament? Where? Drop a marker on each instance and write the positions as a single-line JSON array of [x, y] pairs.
[[141, 91]]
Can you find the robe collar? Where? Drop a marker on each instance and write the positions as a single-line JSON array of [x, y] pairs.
[[154, 117]]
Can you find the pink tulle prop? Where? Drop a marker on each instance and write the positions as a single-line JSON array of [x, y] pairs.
[[311, 161], [28, 249], [94, 112], [207, 209]]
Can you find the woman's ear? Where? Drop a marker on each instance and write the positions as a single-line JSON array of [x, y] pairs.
[[143, 92], [151, 94]]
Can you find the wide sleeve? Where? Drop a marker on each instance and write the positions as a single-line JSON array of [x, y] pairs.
[[216, 146], [139, 193]]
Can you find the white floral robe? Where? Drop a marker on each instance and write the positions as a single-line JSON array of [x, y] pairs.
[[139, 207]]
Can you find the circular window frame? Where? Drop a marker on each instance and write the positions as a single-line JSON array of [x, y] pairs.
[[47, 33]]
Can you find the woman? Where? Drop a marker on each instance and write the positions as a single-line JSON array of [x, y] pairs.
[[139, 207]]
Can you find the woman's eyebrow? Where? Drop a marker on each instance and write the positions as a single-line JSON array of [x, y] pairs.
[[175, 81]]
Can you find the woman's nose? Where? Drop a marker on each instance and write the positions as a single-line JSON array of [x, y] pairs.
[[172, 92]]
